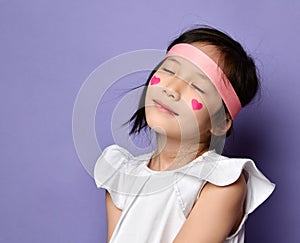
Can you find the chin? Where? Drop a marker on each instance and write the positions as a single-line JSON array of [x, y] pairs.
[[163, 127]]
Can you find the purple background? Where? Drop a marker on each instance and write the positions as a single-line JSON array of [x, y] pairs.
[[47, 50]]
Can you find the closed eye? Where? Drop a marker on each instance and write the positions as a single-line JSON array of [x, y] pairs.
[[168, 70], [197, 88]]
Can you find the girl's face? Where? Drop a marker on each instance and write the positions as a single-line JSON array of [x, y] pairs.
[[180, 99]]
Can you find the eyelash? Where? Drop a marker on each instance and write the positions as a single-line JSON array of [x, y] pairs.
[[197, 88], [192, 84], [168, 70]]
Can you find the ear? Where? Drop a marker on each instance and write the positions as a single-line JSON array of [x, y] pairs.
[[222, 127]]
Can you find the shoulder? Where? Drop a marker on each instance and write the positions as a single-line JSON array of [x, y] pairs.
[[227, 200], [116, 157], [116, 170], [229, 192], [115, 151], [116, 165], [234, 190], [220, 207], [227, 176], [221, 204], [226, 184], [237, 173], [220, 174]]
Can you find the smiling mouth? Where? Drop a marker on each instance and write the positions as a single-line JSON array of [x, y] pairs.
[[164, 108]]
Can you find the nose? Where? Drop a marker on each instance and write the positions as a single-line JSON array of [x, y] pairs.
[[173, 88], [170, 93]]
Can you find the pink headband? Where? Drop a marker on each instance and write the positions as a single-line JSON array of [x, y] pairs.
[[212, 71]]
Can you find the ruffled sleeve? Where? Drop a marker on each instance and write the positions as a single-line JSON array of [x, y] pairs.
[[121, 174], [259, 188], [108, 173], [227, 171], [222, 171]]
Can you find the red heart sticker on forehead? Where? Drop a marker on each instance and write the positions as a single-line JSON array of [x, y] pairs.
[[154, 80], [196, 105]]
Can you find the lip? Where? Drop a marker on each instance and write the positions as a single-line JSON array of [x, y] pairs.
[[164, 108]]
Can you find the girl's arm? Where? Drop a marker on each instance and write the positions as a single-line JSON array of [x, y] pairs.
[[113, 215], [217, 213]]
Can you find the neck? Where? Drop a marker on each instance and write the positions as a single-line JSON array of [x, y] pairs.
[[173, 153]]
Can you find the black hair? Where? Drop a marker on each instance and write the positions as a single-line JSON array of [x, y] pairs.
[[237, 65]]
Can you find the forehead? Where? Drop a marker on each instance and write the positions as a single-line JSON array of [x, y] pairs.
[[185, 65]]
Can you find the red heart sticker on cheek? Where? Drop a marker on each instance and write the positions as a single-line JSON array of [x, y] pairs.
[[196, 104], [154, 80]]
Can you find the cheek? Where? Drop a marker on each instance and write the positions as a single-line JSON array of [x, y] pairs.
[[154, 80], [196, 105]]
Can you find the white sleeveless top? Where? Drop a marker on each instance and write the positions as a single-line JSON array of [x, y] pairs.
[[155, 204]]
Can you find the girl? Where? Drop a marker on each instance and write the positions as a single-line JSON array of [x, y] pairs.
[[185, 190]]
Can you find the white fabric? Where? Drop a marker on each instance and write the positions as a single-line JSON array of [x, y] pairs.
[[155, 204]]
